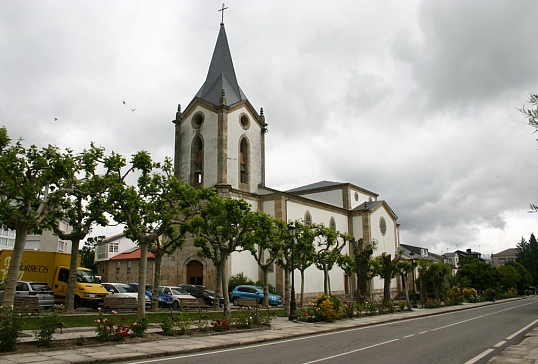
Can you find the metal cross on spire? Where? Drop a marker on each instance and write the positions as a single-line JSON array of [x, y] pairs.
[[223, 8]]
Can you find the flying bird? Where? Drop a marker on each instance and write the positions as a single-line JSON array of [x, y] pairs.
[[124, 103], [55, 119], [133, 109]]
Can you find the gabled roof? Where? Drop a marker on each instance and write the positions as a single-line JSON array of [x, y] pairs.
[[313, 186], [221, 75], [133, 253], [325, 185]]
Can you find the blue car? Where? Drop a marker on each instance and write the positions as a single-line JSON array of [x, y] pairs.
[[164, 300], [246, 291]]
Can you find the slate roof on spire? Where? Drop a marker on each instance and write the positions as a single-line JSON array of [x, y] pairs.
[[221, 75]]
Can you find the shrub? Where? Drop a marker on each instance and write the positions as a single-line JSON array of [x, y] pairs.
[[470, 294], [176, 325], [220, 325], [139, 326], [243, 319], [108, 328], [10, 327], [46, 327], [324, 308], [239, 279]]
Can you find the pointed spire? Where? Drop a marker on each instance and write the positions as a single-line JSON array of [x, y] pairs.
[[221, 75]]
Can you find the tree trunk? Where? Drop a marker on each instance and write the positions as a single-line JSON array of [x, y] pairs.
[[70, 296], [218, 285], [325, 280], [156, 281], [301, 302], [227, 312], [387, 277], [14, 265], [265, 273], [143, 267], [287, 292]]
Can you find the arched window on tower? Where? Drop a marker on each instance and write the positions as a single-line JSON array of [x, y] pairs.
[[197, 161], [243, 161]]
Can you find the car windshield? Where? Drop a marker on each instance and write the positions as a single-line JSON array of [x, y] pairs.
[[125, 288], [178, 290], [85, 276], [207, 290], [40, 286]]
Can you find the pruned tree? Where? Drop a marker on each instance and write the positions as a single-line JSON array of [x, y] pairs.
[[265, 243], [83, 207], [32, 183], [304, 252], [151, 210], [403, 268], [329, 244], [440, 271], [386, 268], [362, 253], [425, 271], [218, 231], [348, 265]]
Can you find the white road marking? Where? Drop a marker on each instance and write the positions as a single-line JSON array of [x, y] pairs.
[[499, 344], [479, 356], [520, 331], [350, 352]]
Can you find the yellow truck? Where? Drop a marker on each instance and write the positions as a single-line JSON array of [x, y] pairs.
[[53, 268]]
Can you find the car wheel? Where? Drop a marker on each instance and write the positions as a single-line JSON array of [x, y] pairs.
[[235, 302], [176, 305]]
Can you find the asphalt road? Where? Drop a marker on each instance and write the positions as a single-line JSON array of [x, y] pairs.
[[467, 336]]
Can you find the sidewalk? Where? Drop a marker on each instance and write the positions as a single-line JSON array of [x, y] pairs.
[[525, 352]]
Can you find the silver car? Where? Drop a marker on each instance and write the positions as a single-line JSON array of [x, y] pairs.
[[177, 294], [27, 288]]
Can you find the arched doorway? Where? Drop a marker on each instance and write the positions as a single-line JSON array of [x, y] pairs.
[[195, 272]]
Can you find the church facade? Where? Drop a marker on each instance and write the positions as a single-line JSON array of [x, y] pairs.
[[220, 143]]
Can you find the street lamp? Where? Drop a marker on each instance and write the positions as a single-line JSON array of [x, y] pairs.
[[293, 305], [413, 272]]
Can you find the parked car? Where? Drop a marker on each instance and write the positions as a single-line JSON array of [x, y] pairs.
[[246, 291], [199, 291], [40, 289], [163, 301], [177, 294], [123, 290]]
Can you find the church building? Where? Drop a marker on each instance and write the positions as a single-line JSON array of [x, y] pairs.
[[220, 143]]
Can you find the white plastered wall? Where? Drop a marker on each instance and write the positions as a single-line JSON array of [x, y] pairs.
[[253, 134]]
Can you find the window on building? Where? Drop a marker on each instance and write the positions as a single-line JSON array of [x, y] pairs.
[[197, 161], [113, 247], [118, 267], [502, 261], [332, 223], [7, 238], [308, 218], [129, 267], [62, 246], [101, 252]]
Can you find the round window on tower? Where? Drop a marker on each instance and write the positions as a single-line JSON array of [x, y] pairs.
[[244, 121], [197, 120]]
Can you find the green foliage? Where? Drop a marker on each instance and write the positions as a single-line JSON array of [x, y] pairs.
[[329, 244], [177, 324], [139, 326], [508, 277], [527, 255], [526, 278], [477, 274], [243, 319], [324, 308], [48, 324], [10, 327], [110, 328], [239, 279], [80, 341]]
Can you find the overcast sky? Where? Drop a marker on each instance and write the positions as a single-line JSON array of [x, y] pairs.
[[413, 100]]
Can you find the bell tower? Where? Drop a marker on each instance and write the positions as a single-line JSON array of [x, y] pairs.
[[219, 137]]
